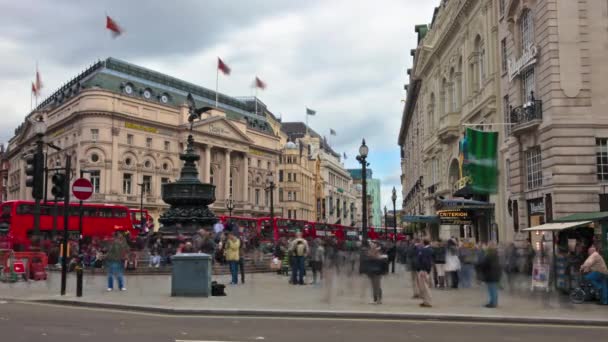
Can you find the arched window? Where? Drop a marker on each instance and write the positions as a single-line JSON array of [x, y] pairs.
[[460, 87]]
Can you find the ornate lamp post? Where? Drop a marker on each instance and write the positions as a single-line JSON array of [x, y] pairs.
[[361, 158], [394, 198], [230, 207], [270, 188]]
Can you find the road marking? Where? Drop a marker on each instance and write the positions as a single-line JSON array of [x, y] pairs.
[[429, 320], [201, 341]]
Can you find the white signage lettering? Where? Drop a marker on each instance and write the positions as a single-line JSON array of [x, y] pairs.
[[528, 57]]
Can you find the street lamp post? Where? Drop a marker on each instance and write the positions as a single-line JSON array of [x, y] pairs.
[[363, 150], [394, 198], [270, 188], [230, 207]]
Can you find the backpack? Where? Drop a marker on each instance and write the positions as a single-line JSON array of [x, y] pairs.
[[217, 289], [300, 248]]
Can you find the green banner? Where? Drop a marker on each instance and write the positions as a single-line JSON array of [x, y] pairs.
[[480, 160]]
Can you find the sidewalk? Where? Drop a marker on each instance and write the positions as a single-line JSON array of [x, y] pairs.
[[270, 294]]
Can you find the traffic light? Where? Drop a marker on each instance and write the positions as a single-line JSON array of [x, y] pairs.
[[58, 185], [34, 172]]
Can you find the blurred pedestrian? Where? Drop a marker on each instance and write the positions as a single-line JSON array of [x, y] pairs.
[[424, 264], [316, 262], [452, 262], [490, 270], [468, 259], [376, 266], [117, 253], [439, 252]]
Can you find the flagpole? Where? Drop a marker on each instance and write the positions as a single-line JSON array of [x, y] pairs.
[[255, 99], [217, 77], [31, 101]]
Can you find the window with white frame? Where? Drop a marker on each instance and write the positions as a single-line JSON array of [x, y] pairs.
[[211, 176], [94, 134], [526, 27], [508, 173], [602, 158], [257, 196], [534, 171], [528, 84], [167, 145], [95, 178], [501, 7], [130, 139], [149, 142], [147, 185], [482, 66], [127, 180]]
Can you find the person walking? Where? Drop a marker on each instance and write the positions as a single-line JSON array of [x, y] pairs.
[[424, 264], [231, 254], [411, 258], [242, 250], [468, 254], [117, 253], [318, 254], [490, 270], [439, 264], [376, 266], [298, 250], [452, 262]]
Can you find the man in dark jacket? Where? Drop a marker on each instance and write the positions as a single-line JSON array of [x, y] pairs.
[[424, 264], [490, 270], [411, 256]]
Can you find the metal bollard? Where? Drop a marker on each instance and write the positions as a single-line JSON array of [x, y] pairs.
[[79, 281]]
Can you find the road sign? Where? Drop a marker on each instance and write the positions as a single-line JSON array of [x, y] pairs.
[[82, 189]]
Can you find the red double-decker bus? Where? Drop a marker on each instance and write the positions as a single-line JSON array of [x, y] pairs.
[[98, 220], [327, 231], [252, 225]]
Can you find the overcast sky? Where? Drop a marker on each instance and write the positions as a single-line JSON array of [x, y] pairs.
[[345, 59]]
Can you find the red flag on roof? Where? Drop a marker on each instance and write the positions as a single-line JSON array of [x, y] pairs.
[[34, 89], [223, 67], [113, 27], [259, 83]]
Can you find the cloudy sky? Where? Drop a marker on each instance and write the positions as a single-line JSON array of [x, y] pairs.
[[345, 59]]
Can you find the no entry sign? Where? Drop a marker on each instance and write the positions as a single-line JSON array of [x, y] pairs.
[[82, 189]]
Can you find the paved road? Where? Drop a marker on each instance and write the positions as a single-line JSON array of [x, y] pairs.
[[37, 322]]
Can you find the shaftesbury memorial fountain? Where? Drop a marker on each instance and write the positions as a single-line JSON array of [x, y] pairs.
[[188, 197]]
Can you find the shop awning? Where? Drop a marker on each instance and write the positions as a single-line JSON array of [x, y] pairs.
[[420, 219], [596, 216], [463, 204], [556, 226]]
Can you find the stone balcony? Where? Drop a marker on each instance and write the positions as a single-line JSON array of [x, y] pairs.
[[527, 117], [449, 127]]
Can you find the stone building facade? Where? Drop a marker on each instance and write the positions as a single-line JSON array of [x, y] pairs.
[[554, 93], [126, 125], [332, 193], [454, 84]]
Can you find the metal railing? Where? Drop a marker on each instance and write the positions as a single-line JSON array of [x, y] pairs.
[[532, 110]]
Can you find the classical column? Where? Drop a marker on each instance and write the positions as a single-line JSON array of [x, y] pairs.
[[227, 175], [207, 163], [245, 178]]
